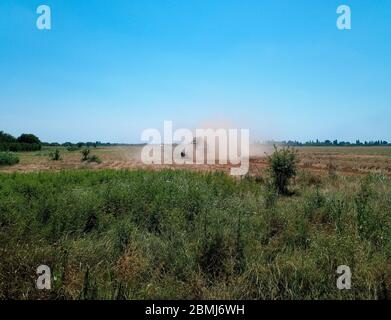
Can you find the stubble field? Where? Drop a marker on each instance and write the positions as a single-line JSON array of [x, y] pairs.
[[319, 160]]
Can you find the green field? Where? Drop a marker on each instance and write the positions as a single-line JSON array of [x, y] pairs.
[[140, 234]]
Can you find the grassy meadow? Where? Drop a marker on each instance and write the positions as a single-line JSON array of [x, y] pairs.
[[179, 234]]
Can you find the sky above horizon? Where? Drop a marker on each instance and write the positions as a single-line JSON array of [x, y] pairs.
[[107, 70]]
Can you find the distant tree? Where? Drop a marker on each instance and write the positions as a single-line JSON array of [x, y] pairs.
[[29, 138], [6, 138]]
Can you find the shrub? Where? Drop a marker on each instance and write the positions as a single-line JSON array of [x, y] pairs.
[[8, 159], [85, 153], [94, 158], [283, 167], [72, 148], [90, 158], [55, 156]]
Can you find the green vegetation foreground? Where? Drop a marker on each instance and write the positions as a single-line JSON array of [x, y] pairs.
[[180, 234]]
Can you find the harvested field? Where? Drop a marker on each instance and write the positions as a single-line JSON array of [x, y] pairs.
[[343, 160]]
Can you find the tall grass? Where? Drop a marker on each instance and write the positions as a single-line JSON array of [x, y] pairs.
[[179, 234]]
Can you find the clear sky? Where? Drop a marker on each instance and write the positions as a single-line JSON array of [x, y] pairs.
[[109, 69]]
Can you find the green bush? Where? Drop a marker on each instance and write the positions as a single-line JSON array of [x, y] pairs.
[[55, 156], [94, 158], [283, 167], [86, 156], [8, 159], [72, 148], [85, 153]]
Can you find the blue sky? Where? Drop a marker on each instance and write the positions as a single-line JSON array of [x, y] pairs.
[[109, 69]]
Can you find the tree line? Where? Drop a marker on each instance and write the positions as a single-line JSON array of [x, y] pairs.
[[80, 145], [25, 142], [30, 142]]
